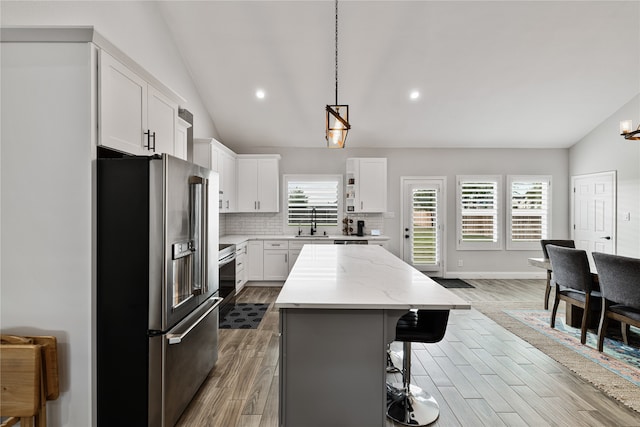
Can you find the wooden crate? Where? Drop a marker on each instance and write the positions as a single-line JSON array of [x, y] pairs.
[[29, 367]]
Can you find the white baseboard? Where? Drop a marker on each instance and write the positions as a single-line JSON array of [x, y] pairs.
[[495, 275]]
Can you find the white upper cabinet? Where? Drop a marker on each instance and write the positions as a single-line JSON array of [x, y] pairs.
[[162, 116], [366, 185], [258, 183], [228, 179], [134, 116], [217, 157], [180, 146], [123, 99]]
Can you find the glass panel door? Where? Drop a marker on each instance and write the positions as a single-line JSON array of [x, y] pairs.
[[423, 215]]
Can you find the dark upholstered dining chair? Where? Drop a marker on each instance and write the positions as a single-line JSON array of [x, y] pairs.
[[556, 242], [619, 278], [574, 283]]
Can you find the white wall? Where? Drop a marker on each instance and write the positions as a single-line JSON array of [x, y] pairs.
[[605, 150], [135, 27], [449, 163], [48, 143]]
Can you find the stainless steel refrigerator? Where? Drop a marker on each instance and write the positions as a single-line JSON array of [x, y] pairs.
[[157, 286]]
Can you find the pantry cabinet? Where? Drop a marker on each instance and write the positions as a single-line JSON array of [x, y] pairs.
[[366, 185], [134, 116], [258, 183]]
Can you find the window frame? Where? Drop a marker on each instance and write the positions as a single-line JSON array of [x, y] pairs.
[[462, 245], [330, 230], [534, 244]]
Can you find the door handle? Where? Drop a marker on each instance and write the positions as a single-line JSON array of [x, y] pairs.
[[177, 338], [606, 237], [148, 133], [406, 236]]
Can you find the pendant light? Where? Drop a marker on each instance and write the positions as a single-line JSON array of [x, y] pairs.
[[337, 116], [626, 130]]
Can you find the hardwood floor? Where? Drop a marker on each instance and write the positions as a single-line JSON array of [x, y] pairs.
[[480, 374]]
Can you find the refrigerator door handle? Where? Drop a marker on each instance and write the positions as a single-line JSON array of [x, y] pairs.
[[204, 238], [177, 338], [199, 232]]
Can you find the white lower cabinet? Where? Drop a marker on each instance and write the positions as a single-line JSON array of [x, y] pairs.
[[255, 262], [241, 266], [276, 259], [272, 260], [296, 246]]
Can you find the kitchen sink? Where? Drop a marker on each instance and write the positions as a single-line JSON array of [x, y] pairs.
[[308, 236]]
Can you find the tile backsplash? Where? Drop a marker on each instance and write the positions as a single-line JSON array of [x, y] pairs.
[[273, 223], [253, 223]]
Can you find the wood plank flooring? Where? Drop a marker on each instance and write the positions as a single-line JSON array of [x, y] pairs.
[[480, 374]]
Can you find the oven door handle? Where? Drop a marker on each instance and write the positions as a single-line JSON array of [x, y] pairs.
[[177, 338], [226, 260]]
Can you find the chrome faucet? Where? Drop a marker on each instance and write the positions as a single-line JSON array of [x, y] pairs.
[[314, 223]]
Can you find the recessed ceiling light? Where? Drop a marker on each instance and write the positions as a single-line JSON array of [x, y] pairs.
[[260, 94], [414, 94]]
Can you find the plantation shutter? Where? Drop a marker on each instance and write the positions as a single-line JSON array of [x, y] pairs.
[[305, 196], [529, 212], [479, 212], [425, 226]]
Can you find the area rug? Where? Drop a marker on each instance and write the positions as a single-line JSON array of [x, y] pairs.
[[612, 384], [621, 359], [244, 315], [452, 283]]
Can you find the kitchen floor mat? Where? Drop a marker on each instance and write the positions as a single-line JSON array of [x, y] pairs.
[[452, 283], [244, 315]]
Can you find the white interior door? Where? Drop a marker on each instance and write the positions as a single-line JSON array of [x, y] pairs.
[[594, 212], [423, 213]]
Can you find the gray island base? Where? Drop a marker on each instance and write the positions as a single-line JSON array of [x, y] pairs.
[[338, 311]]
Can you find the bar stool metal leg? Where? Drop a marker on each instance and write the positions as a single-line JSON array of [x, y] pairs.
[[394, 359], [408, 404]]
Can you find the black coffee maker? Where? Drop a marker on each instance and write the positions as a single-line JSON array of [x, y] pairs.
[[360, 228]]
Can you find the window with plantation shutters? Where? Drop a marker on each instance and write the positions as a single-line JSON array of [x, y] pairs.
[[479, 213], [313, 199], [529, 209]]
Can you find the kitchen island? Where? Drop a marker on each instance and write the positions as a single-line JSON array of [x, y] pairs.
[[338, 311]]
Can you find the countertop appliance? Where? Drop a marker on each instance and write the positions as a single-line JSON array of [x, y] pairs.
[[157, 294], [227, 274]]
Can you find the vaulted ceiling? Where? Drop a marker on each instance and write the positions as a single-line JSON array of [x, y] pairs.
[[489, 73]]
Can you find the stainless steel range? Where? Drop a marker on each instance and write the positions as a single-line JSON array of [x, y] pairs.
[[227, 274]]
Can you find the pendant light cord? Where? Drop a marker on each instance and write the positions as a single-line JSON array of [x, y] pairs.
[[336, 52]]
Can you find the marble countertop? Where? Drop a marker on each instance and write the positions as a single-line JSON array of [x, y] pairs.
[[361, 277], [238, 238]]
